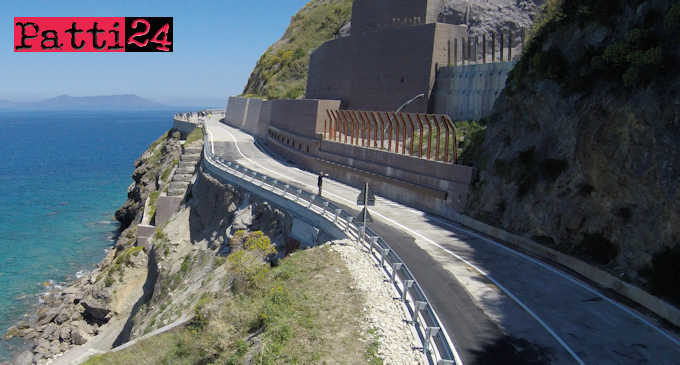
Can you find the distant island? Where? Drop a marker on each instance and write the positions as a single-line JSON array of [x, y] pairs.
[[105, 102]]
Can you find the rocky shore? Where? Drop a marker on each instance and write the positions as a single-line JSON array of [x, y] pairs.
[[75, 314]]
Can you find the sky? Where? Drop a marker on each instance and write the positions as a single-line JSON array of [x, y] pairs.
[[215, 47]]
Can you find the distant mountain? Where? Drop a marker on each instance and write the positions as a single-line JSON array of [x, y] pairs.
[[6, 104], [107, 102]]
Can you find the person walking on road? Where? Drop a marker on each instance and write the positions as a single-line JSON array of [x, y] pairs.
[[319, 182]]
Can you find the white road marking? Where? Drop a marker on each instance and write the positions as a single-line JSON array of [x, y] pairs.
[[456, 355]]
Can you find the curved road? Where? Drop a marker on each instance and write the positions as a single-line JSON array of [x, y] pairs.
[[498, 306]]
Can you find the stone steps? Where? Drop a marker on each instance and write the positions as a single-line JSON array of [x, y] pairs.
[[178, 185], [182, 177], [176, 192], [195, 157], [192, 150], [187, 165]]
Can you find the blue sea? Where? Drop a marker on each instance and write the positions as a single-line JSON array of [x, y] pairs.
[[62, 177]]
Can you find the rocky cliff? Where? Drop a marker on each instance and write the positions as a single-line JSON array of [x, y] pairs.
[[281, 72], [581, 152]]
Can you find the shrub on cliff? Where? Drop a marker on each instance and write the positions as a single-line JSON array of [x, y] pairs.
[[281, 72]]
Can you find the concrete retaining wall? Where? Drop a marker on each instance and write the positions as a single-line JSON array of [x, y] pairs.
[[469, 92], [368, 71], [424, 192], [301, 117], [235, 115]]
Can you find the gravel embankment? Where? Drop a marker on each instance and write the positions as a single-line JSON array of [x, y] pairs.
[[382, 311]]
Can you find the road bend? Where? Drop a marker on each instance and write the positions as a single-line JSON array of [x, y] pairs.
[[498, 305]]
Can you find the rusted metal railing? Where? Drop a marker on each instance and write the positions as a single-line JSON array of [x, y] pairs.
[[428, 136]]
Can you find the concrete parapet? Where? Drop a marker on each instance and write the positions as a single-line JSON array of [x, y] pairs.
[[166, 207]]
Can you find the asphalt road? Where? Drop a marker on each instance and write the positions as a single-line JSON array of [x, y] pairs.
[[499, 306]]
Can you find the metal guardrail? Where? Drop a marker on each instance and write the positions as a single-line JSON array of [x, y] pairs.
[[437, 347]]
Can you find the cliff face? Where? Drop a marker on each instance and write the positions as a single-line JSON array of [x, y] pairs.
[[582, 150], [281, 72], [155, 163]]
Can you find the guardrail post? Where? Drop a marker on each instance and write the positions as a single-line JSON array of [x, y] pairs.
[[325, 207], [418, 307], [446, 362], [349, 222], [297, 195], [429, 332], [384, 252], [407, 285], [337, 214], [311, 201], [373, 241], [396, 267]]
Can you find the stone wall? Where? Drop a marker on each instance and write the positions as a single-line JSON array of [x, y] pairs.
[[184, 127], [469, 92], [381, 70]]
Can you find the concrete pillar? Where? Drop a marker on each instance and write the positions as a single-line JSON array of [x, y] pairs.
[[455, 52], [502, 46], [484, 48]]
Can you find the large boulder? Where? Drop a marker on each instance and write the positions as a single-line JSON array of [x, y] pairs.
[[24, 358], [95, 311]]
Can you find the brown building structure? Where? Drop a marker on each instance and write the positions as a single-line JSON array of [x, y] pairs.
[[391, 56]]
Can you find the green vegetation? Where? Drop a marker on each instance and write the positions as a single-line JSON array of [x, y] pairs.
[[527, 170], [153, 198], [470, 136], [195, 135], [281, 72], [302, 312], [122, 260], [166, 173], [628, 61]]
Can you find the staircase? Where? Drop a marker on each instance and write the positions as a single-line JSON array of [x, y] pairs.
[[185, 170]]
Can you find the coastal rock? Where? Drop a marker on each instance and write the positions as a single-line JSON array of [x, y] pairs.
[[24, 358], [65, 333], [45, 316], [11, 333], [51, 332], [95, 311], [77, 337], [63, 316]]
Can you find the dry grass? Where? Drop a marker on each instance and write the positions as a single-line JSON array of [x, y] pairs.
[[306, 312]]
